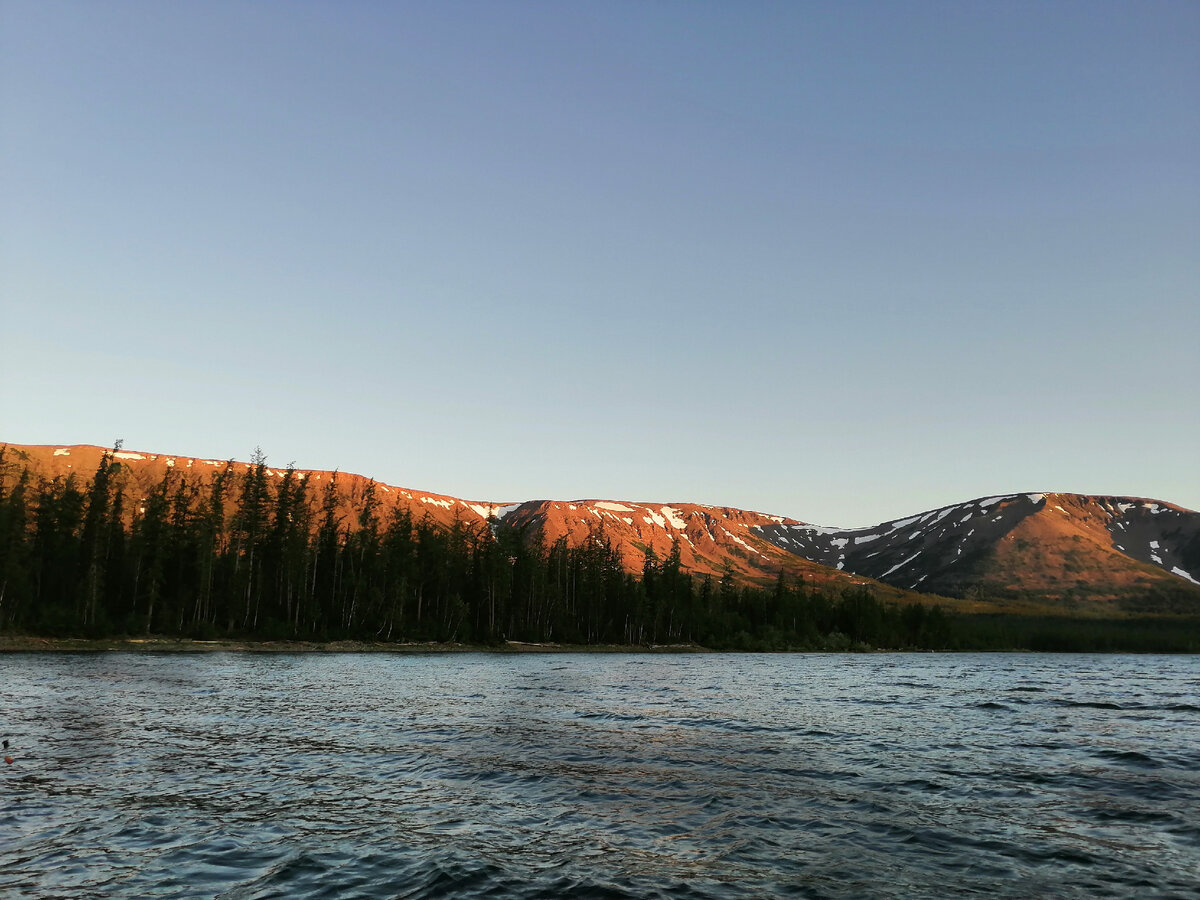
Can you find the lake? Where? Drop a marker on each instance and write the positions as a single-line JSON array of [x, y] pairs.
[[250, 775]]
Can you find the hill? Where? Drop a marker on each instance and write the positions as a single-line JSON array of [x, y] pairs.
[[1071, 552], [713, 540], [139, 473], [1035, 552]]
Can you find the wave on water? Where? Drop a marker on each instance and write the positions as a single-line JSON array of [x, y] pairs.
[[600, 776]]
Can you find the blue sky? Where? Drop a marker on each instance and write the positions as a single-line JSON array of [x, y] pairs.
[[839, 261]]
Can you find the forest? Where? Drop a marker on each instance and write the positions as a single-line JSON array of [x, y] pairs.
[[240, 555]]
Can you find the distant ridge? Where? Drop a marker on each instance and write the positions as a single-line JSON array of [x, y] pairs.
[[1056, 550], [145, 470], [712, 540], [1063, 549]]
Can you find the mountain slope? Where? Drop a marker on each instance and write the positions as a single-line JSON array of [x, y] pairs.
[[1060, 551], [1123, 553], [713, 540], [141, 472]]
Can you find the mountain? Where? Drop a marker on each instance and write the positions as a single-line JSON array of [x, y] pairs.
[[141, 472], [712, 540], [1120, 554], [1020, 551]]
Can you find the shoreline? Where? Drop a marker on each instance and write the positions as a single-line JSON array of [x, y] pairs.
[[13, 644], [30, 644]]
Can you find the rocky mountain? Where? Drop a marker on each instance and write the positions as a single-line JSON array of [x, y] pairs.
[[1064, 550]]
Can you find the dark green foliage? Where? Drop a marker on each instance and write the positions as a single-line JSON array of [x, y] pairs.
[[1064, 634], [256, 554]]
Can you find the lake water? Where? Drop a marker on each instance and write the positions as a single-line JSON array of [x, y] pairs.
[[594, 775]]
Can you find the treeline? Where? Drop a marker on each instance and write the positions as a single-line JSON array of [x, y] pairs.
[[236, 554], [1065, 634]]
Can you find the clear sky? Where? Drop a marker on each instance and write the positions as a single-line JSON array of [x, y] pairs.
[[838, 261]]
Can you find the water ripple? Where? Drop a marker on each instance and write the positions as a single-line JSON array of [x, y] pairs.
[[248, 776]]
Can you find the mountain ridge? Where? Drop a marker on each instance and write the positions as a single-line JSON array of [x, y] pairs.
[[1034, 546], [1061, 549]]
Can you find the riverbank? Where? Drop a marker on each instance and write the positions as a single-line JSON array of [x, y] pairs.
[[29, 644]]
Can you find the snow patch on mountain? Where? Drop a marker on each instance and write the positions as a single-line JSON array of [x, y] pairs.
[[1175, 570], [672, 516], [901, 565]]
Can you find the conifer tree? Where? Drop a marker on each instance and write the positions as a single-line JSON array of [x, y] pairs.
[[249, 526], [14, 562]]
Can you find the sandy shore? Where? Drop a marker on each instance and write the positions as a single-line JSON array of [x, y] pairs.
[[27, 644]]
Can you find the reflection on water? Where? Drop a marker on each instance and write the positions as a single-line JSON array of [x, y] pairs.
[[254, 776]]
